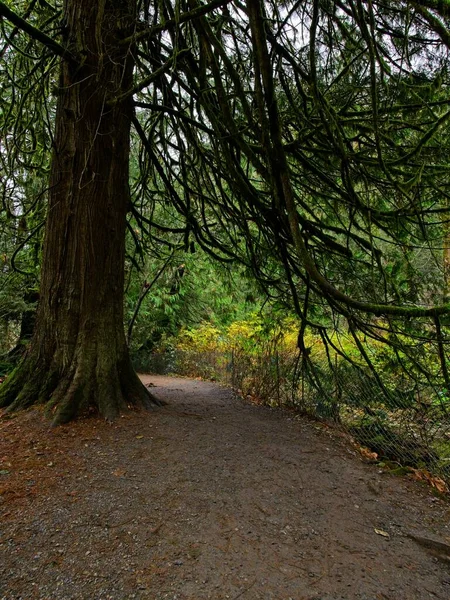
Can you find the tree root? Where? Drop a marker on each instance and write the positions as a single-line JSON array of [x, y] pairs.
[[102, 385]]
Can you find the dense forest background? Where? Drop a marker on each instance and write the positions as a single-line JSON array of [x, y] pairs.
[[287, 205]]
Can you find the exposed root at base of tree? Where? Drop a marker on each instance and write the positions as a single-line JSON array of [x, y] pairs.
[[104, 386]]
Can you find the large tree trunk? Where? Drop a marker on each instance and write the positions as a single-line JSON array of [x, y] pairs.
[[78, 357]]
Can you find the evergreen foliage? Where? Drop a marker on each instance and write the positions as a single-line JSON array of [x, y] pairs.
[[306, 141]]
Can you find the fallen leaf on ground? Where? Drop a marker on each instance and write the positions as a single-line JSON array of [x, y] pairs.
[[436, 482], [368, 454], [119, 472], [382, 533]]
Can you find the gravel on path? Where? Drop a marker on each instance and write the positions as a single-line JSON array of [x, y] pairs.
[[209, 498]]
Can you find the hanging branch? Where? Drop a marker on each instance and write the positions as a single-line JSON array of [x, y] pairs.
[[283, 182], [35, 33], [441, 351], [145, 290]]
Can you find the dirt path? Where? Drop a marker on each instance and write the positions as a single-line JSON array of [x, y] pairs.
[[208, 497]]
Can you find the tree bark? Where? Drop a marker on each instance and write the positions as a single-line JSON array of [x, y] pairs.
[[28, 320], [78, 358]]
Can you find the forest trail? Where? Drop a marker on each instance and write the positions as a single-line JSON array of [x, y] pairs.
[[209, 498]]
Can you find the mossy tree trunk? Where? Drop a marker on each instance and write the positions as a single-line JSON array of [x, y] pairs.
[[78, 357]]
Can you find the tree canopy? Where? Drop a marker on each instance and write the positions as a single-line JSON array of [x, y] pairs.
[[306, 139]]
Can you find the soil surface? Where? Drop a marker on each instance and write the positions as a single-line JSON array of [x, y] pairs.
[[210, 497]]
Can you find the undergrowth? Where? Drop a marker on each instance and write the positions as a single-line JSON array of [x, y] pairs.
[[406, 420]]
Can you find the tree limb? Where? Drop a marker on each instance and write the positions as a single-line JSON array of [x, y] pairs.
[[34, 32]]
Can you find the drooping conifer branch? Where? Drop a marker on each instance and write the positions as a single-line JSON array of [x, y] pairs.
[[35, 33]]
